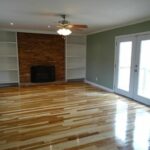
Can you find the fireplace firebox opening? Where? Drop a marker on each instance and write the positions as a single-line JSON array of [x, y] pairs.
[[41, 74]]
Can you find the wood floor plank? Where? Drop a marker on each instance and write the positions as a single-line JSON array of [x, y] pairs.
[[71, 116]]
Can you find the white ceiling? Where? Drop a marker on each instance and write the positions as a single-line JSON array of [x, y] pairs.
[[36, 15]]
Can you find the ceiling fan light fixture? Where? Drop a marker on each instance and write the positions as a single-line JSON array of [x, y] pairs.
[[64, 31]]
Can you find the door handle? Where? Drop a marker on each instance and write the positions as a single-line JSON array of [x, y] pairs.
[[135, 70]]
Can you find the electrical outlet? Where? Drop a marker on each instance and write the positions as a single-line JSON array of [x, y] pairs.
[[96, 78]]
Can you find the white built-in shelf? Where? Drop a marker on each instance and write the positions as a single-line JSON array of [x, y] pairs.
[[81, 57], [76, 39], [5, 42], [2, 56], [9, 82], [9, 70], [75, 57], [76, 67], [76, 74], [7, 36], [76, 45]]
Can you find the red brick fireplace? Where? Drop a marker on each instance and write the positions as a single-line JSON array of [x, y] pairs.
[[40, 49]]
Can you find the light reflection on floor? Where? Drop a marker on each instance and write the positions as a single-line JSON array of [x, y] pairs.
[[121, 121], [141, 133]]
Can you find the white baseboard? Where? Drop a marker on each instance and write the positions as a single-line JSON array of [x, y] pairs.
[[99, 86]]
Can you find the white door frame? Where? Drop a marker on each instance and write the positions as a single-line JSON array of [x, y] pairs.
[[135, 95], [118, 40], [133, 66]]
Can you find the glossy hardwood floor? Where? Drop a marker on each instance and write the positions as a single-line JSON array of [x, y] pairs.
[[71, 116]]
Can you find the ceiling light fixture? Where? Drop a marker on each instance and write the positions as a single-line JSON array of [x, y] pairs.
[[49, 26], [64, 31], [11, 23]]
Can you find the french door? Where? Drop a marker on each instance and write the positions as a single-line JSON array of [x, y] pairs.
[[132, 67]]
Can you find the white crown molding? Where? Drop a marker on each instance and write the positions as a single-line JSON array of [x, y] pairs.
[[36, 31], [99, 86], [27, 31], [119, 26]]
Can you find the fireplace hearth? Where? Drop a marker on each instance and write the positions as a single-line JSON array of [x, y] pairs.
[[40, 74]]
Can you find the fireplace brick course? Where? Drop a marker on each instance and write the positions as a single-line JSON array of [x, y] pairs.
[[40, 49]]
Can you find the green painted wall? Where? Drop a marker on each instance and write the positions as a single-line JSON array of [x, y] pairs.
[[101, 52]]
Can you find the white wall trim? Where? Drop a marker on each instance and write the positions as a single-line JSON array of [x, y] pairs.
[[119, 26], [99, 86]]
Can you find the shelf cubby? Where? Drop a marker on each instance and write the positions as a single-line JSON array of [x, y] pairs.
[[75, 57], [9, 70]]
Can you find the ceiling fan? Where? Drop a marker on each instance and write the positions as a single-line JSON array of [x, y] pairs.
[[65, 27]]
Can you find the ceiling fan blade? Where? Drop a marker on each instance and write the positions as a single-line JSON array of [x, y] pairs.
[[62, 26], [66, 24], [48, 14], [77, 26]]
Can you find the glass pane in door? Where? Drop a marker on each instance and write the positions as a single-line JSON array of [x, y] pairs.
[[124, 68], [144, 70]]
